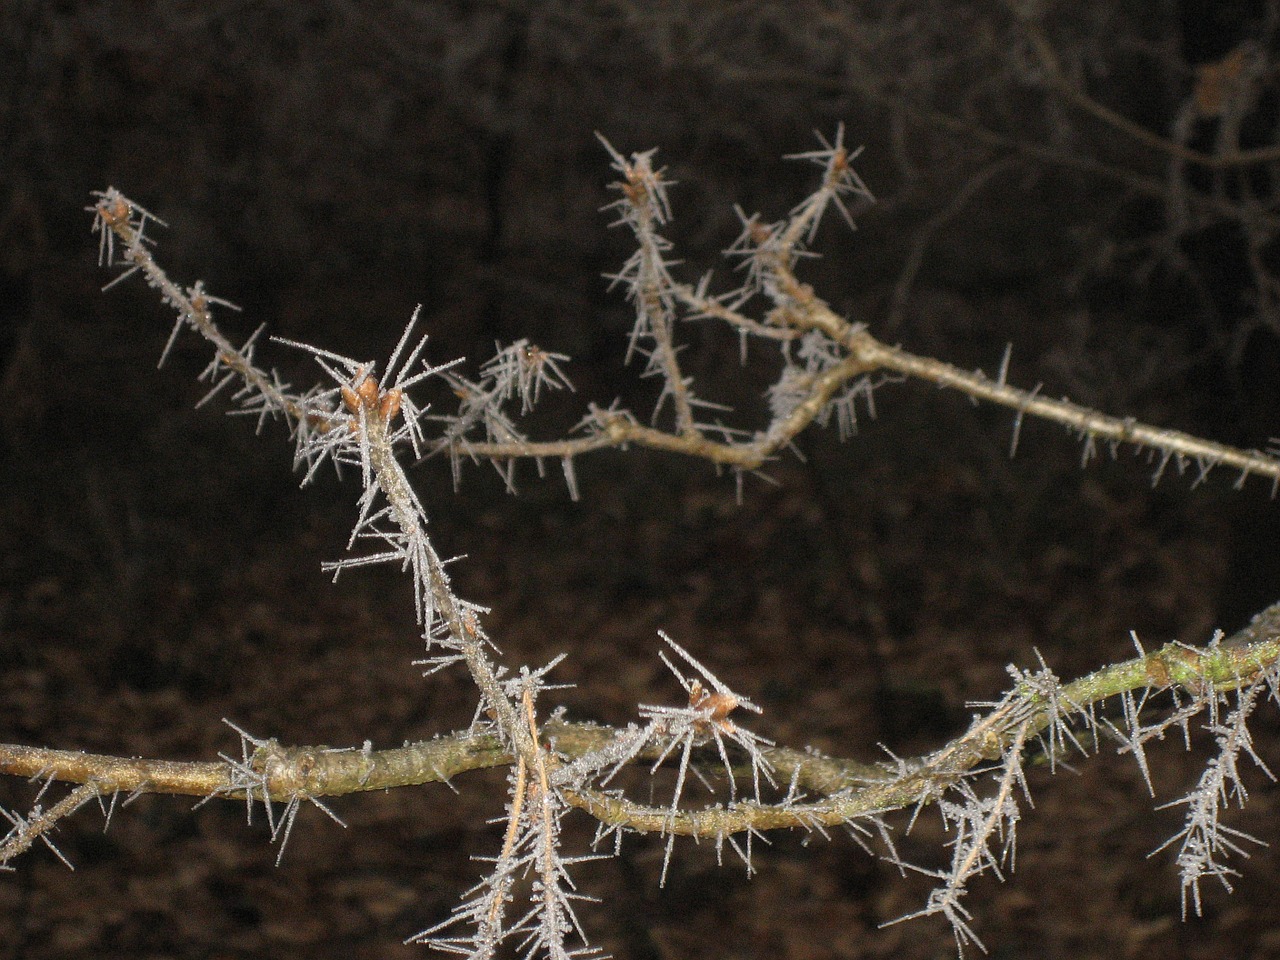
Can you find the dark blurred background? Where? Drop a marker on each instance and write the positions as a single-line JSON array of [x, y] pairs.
[[328, 166]]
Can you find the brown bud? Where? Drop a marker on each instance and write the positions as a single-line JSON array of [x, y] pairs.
[[389, 405]]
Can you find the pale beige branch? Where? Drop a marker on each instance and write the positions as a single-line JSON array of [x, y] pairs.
[[846, 789]]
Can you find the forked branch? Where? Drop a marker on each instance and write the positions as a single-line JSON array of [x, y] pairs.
[[829, 363]]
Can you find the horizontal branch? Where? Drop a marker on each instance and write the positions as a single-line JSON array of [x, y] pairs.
[[619, 431], [848, 789], [1235, 663], [288, 771], [328, 772], [867, 354], [1089, 424]]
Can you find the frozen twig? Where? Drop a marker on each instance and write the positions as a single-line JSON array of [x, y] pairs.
[[366, 422]]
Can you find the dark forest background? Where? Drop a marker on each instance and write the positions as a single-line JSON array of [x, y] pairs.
[[328, 166]]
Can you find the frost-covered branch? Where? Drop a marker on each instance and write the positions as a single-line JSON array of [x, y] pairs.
[[829, 364], [847, 788], [722, 779]]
